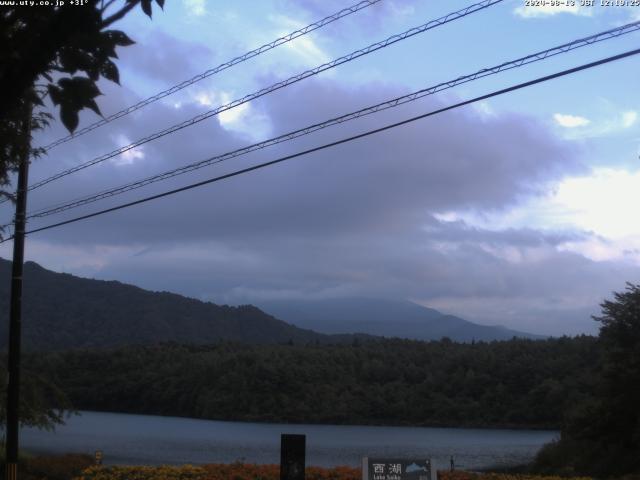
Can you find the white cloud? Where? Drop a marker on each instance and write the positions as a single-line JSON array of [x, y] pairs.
[[634, 14], [204, 98], [603, 203], [612, 124], [241, 119], [233, 116], [485, 109], [629, 118], [304, 47], [130, 156], [547, 11], [600, 249], [196, 8], [402, 10], [228, 117], [570, 121]]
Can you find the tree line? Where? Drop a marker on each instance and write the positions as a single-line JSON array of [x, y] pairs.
[[517, 383]]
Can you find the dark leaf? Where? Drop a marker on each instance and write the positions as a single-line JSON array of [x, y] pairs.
[[71, 60], [106, 46], [110, 71], [37, 152], [79, 89], [119, 38], [93, 106], [93, 72], [160, 3], [55, 93], [75, 94], [146, 7], [69, 117]]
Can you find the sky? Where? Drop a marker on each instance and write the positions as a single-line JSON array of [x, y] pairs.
[[519, 210]]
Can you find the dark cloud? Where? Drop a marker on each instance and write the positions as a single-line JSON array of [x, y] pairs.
[[390, 180], [520, 237], [357, 219], [163, 58], [531, 286]]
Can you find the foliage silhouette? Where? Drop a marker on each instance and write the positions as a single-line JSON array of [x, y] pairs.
[[602, 434], [60, 52], [517, 383]]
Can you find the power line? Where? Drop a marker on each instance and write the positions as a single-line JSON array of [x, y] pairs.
[[341, 141], [276, 86], [235, 61], [535, 57]]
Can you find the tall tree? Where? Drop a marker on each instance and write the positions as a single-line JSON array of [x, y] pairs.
[[601, 436], [61, 52], [42, 403], [618, 419]]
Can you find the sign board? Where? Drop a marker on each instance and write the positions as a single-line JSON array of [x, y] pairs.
[[292, 456], [98, 457], [398, 469]]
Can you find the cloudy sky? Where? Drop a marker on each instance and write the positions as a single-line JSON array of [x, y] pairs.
[[520, 210]]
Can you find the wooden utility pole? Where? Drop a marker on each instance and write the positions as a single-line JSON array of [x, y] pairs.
[[15, 312]]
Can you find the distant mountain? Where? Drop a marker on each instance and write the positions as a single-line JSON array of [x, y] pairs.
[[62, 311], [387, 318]]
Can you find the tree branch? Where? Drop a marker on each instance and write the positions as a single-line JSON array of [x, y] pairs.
[[120, 13], [104, 6]]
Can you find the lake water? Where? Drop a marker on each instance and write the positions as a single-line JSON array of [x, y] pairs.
[[146, 439]]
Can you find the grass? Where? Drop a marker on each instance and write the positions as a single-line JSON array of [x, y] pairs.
[[81, 467]]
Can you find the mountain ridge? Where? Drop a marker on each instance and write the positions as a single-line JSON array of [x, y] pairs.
[[107, 313], [63, 311], [388, 318]]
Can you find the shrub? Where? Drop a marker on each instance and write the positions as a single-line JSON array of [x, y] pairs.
[[165, 472], [221, 471], [58, 467]]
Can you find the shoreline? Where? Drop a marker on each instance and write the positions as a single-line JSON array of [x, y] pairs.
[[276, 421]]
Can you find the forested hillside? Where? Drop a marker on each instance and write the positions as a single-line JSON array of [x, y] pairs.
[[63, 311], [519, 383]]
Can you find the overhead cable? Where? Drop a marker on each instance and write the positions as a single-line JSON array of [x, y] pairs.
[[208, 73], [276, 86], [535, 57], [339, 142]]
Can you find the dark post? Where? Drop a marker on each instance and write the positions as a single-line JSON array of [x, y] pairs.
[[292, 457], [15, 309]]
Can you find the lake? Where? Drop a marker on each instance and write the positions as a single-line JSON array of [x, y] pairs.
[[152, 440]]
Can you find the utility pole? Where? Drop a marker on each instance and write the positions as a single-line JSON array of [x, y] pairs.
[[15, 312]]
